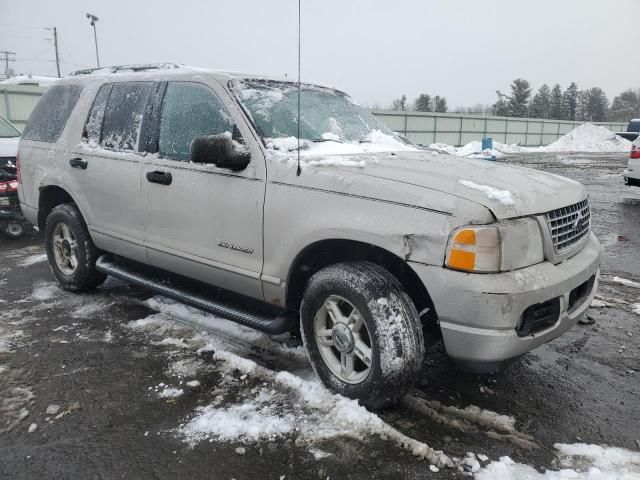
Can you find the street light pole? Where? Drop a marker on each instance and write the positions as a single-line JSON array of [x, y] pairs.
[[93, 19]]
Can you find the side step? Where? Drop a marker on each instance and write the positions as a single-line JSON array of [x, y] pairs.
[[272, 325]]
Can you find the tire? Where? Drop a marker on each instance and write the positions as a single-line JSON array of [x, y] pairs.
[[67, 219], [632, 182], [14, 230], [391, 325]]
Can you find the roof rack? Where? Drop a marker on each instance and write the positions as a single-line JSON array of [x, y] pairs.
[[142, 67]]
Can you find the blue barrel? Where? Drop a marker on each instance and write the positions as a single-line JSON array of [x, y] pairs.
[[487, 143]]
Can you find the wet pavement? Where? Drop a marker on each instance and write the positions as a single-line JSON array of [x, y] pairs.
[[82, 352]]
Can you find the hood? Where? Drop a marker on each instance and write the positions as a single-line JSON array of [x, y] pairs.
[[9, 146], [508, 191]]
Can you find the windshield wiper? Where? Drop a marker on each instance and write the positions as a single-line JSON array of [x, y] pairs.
[[320, 140]]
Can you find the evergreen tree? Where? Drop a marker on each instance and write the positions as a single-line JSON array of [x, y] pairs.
[[399, 103], [626, 106], [570, 102], [501, 107], [423, 103], [519, 98], [440, 104], [593, 105], [541, 104], [557, 107]]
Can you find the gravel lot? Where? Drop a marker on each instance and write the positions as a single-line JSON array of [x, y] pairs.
[[111, 378]]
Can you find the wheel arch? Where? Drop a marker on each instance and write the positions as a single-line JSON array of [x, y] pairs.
[[327, 252], [49, 197]]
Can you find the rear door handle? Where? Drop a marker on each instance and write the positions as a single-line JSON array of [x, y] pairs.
[[163, 178], [78, 163]]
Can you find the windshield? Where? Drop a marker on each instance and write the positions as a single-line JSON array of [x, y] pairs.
[[326, 115], [7, 130]]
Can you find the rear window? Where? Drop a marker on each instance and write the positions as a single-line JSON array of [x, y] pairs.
[[48, 119], [123, 115]]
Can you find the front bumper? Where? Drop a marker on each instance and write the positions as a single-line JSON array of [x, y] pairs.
[[479, 313]]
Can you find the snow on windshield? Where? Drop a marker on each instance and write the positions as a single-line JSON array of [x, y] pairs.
[[330, 122]]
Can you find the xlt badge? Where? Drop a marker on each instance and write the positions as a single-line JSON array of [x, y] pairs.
[[237, 248]]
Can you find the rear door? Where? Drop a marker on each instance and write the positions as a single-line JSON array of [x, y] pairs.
[[202, 221], [104, 168]]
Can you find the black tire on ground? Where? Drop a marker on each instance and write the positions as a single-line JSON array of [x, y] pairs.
[[85, 276], [14, 230], [393, 324]]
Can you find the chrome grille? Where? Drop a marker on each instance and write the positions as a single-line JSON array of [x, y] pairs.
[[568, 225]]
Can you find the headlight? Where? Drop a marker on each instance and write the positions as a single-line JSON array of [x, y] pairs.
[[500, 247]]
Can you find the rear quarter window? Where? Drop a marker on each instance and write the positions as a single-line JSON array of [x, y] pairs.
[[49, 117]]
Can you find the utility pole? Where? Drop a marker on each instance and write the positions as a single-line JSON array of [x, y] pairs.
[[55, 44], [7, 59], [93, 19]]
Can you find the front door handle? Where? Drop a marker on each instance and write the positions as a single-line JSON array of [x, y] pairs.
[[78, 163], [163, 178]]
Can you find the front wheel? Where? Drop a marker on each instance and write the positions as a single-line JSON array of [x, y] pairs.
[[362, 333]]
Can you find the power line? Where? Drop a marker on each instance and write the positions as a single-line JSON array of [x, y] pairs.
[[7, 59]]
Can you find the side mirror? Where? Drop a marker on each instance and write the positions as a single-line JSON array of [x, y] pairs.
[[220, 151]]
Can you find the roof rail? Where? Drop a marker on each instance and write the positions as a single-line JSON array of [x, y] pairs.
[[142, 67]]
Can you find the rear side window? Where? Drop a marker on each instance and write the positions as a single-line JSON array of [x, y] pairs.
[[189, 110], [123, 115], [48, 119], [93, 129]]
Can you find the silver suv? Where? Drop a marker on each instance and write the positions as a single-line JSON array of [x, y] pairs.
[[186, 181]]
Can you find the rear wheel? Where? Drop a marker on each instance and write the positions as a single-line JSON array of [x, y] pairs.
[[362, 333], [632, 182], [71, 253]]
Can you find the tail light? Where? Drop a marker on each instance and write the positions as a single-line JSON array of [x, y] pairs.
[[635, 151], [18, 168], [8, 187]]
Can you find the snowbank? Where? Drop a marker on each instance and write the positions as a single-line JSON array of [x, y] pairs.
[[586, 138], [589, 138], [583, 462]]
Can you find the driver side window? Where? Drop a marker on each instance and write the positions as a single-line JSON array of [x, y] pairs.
[[189, 110]]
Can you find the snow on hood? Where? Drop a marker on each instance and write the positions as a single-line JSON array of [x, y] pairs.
[[9, 147], [375, 141], [506, 190]]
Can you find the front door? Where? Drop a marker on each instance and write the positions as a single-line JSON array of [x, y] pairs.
[[202, 221]]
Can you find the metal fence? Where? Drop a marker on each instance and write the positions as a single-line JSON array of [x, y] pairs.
[[460, 129], [17, 102]]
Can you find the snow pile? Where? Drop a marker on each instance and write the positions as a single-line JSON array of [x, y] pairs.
[[474, 149], [313, 414], [33, 259], [582, 462], [589, 138], [260, 418], [584, 138], [504, 197]]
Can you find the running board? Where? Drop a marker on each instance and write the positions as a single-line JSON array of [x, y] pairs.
[[272, 325]]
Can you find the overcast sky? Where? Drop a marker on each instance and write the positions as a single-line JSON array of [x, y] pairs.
[[375, 50]]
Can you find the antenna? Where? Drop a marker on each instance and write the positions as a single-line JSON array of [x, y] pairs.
[[299, 171]]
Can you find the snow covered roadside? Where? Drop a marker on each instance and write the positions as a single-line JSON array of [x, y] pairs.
[[578, 461], [586, 138]]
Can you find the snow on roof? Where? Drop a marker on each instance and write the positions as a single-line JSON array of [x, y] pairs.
[[30, 80], [167, 68]]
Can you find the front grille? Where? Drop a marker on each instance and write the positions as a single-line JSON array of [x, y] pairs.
[[568, 225]]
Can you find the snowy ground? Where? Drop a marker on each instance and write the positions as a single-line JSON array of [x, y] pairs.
[[119, 384]]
